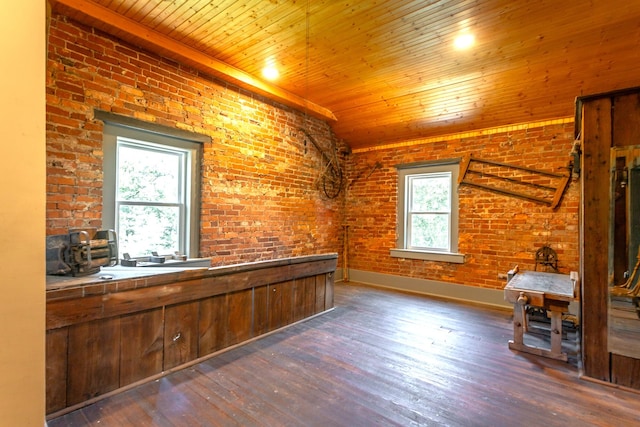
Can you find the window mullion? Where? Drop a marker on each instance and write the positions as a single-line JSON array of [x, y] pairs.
[[136, 203]]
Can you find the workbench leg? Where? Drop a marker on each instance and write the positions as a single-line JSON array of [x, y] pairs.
[[556, 334], [518, 325]]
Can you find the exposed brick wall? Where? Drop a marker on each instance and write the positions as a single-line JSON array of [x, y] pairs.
[[496, 232], [260, 195], [260, 185]]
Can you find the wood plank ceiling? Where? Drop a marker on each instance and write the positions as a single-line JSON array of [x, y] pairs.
[[386, 71]]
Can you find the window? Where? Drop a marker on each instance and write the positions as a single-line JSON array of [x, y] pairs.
[[150, 197], [151, 191], [428, 212]]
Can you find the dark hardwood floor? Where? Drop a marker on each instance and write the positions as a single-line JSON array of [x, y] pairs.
[[381, 358]]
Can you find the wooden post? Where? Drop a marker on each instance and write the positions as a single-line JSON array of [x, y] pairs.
[[345, 255]]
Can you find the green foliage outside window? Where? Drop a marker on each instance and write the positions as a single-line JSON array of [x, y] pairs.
[[429, 211], [148, 195]]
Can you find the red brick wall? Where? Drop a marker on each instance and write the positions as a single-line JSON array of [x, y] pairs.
[[496, 232], [260, 195]]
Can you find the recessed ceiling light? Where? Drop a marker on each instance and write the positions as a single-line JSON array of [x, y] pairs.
[[270, 71], [464, 41]]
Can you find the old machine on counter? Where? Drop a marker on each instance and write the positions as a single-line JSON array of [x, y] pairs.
[[81, 251]]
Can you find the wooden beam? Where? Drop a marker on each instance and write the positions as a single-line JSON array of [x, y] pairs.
[[595, 243], [114, 23]]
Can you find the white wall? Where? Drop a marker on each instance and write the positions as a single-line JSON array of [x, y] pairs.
[[22, 212]]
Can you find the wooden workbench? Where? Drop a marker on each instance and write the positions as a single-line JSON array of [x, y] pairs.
[[550, 291]]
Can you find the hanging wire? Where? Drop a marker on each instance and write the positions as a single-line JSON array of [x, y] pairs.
[[306, 64], [331, 172]]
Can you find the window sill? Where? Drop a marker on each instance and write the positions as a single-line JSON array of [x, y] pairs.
[[455, 258]]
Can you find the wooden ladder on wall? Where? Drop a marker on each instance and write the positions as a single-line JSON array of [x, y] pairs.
[[515, 181]]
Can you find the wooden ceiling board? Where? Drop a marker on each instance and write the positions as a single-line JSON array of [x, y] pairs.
[[368, 36], [274, 41], [196, 27], [386, 68], [232, 28], [181, 16], [144, 10], [523, 88], [527, 60], [157, 15], [512, 94], [379, 68], [127, 8]]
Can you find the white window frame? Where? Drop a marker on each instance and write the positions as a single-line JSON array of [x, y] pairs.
[[190, 216], [405, 175], [183, 184], [410, 213]]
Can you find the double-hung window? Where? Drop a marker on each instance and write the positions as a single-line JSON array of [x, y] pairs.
[[428, 212], [151, 191]]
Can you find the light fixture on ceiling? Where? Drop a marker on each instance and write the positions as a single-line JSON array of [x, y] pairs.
[[464, 41], [270, 71]]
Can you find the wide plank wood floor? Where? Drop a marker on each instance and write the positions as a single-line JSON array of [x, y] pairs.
[[381, 358]]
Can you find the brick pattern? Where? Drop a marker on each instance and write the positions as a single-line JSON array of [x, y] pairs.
[[496, 232], [260, 183], [260, 179]]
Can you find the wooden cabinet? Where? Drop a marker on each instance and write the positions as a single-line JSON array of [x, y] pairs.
[[261, 310], [280, 304], [99, 342], [56, 368], [212, 326], [180, 334], [239, 316], [141, 345], [93, 359]]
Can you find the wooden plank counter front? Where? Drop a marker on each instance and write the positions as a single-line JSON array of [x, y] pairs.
[[107, 335]]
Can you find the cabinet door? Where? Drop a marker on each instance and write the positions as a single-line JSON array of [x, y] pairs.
[[280, 304], [304, 301], [212, 326], [180, 334], [56, 369], [93, 359], [141, 345], [321, 285], [240, 305], [309, 301], [260, 310]]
